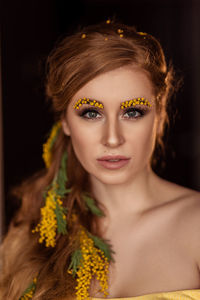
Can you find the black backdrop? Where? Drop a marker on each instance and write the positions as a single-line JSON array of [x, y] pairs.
[[29, 31]]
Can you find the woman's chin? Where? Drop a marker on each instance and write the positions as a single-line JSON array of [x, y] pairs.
[[111, 179]]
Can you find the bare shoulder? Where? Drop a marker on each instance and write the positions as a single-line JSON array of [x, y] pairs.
[[182, 205], [189, 217], [174, 193], [185, 205]]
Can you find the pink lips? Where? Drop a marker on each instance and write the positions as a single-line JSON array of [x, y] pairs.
[[112, 165]]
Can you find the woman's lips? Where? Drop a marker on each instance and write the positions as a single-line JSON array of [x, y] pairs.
[[108, 157], [112, 165]]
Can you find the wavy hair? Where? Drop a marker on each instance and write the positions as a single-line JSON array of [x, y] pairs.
[[73, 62]]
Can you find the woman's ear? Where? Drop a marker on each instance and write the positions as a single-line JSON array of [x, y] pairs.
[[65, 126]]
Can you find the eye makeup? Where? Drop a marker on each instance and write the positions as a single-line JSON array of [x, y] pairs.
[[88, 101], [125, 104], [94, 113], [130, 108], [134, 102], [88, 113]]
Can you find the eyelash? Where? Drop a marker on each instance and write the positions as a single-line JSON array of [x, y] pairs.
[[133, 109]]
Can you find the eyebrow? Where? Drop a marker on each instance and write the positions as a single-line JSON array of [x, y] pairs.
[[124, 104], [135, 101], [88, 101]]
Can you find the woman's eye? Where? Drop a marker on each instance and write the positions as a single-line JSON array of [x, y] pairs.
[[90, 114], [93, 114], [134, 113]]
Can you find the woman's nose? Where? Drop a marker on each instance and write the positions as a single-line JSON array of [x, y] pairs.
[[112, 133]]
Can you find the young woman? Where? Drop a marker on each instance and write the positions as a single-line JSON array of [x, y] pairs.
[[97, 221]]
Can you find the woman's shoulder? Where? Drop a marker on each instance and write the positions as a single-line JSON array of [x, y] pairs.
[[186, 201], [183, 210], [181, 204], [174, 193]]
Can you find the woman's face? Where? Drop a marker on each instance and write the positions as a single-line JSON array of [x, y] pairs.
[[130, 132]]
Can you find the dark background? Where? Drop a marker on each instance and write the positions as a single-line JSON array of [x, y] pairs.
[[30, 30]]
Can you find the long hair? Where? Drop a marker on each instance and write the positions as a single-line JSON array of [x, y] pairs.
[[75, 61]]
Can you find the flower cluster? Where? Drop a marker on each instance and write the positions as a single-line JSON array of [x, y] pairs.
[[28, 294], [87, 101], [92, 257], [120, 32], [93, 263], [48, 224], [136, 101], [47, 157]]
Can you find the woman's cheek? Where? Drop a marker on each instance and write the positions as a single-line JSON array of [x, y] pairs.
[[148, 140], [83, 145], [144, 138]]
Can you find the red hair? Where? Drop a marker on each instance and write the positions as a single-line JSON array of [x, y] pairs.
[[73, 63]]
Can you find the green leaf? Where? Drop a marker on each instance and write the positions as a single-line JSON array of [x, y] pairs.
[[75, 263], [105, 247], [61, 178], [60, 212], [61, 191], [63, 166], [45, 192], [55, 137], [30, 288], [92, 206]]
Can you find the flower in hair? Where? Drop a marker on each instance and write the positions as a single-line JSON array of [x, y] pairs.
[[90, 260], [52, 218], [92, 257], [47, 147], [120, 31], [53, 214], [142, 33], [29, 292]]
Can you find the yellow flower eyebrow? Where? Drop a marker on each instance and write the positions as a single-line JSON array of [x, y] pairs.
[[125, 104], [135, 101], [91, 102]]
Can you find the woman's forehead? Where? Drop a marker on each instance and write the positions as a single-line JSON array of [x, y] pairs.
[[117, 86]]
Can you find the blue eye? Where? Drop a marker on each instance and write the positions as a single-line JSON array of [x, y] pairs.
[[94, 114], [134, 113], [89, 113]]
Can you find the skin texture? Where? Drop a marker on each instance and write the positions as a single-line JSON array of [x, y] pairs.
[[153, 224], [109, 134]]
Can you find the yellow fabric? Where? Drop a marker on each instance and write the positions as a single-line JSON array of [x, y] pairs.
[[177, 295]]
